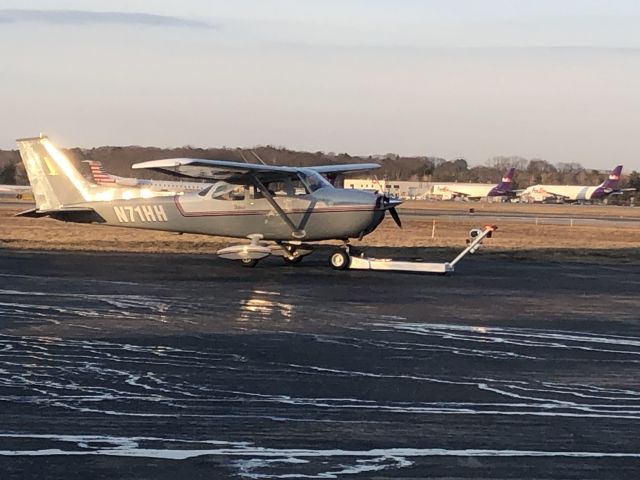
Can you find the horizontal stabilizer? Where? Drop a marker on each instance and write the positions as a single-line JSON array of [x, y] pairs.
[[34, 212], [66, 214]]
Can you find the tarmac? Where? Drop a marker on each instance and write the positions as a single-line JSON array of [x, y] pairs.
[[188, 366], [541, 218]]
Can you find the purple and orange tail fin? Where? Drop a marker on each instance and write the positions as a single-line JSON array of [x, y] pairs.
[[611, 183], [504, 187], [507, 179]]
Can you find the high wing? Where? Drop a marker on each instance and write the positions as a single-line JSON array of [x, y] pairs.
[[237, 172]]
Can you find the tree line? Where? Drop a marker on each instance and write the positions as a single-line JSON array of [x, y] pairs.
[[118, 161]]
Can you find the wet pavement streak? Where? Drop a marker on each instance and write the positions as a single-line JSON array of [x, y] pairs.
[[175, 366]]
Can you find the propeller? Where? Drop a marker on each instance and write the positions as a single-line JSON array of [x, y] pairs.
[[395, 216], [388, 204]]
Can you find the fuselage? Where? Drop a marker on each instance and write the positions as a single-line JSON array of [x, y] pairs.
[[327, 213], [566, 192], [465, 190]]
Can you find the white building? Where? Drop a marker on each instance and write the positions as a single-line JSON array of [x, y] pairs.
[[393, 188]]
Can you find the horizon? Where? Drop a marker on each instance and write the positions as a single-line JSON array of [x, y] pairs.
[[441, 79]]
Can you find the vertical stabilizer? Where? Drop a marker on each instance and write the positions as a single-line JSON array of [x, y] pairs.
[[504, 187], [611, 183], [54, 180], [609, 186]]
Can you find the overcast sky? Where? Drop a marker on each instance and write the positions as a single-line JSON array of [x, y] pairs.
[[453, 78]]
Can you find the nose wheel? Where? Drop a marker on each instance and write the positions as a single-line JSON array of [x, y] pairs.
[[340, 259]]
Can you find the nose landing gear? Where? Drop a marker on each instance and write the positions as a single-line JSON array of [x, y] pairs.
[[341, 258]]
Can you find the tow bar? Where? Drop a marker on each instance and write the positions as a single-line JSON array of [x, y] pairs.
[[476, 237]]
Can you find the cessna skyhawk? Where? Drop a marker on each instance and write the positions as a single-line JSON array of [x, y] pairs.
[[289, 206]]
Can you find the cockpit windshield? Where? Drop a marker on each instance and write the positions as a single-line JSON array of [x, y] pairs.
[[313, 181]]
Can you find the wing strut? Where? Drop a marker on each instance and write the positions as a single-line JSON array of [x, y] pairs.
[[295, 232]]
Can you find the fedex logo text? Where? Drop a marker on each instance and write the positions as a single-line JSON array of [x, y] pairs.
[[141, 213]]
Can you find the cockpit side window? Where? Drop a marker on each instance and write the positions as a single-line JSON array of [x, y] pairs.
[[312, 181]]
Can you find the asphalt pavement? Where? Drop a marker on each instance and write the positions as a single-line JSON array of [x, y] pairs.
[[177, 366]]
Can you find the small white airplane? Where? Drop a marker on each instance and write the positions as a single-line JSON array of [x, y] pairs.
[[577, 193], [476, 191], [19, 192], [101, 177]]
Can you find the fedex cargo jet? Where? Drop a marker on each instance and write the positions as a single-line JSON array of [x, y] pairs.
[[577, 193], [477, 190]]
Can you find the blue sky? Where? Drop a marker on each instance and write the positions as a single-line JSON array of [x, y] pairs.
[[458, 78]]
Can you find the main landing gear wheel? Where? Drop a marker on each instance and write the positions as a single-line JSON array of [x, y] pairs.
[[340, 260], [248, 262]]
